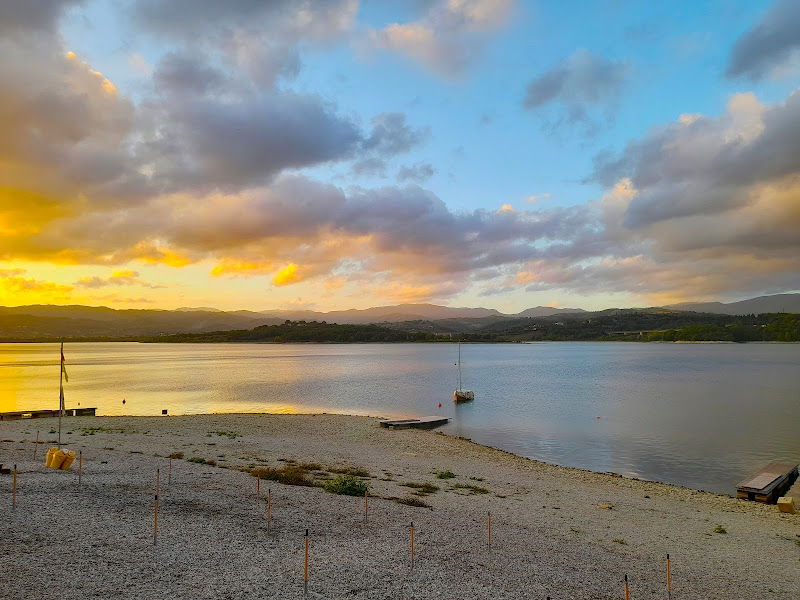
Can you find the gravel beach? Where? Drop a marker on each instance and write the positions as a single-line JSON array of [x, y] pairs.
[[555, 531]]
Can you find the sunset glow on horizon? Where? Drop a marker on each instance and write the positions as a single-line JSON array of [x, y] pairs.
[[334, 155]]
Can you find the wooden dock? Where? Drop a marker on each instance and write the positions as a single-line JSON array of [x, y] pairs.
[[768, 484], [420, 423], [43, 414]]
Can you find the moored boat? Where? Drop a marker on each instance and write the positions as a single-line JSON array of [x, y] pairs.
[[462, 395]]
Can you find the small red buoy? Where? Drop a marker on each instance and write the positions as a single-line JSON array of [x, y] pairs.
[[440, 404], [597, 417]]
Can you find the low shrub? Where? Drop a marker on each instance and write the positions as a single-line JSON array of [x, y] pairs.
[[472, 489], [288, 475], [445, 475], [422, 489], [346, 484]]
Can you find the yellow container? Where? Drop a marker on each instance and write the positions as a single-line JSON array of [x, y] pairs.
[[50, 454], [58, 458], [786, 505], [68, 458]]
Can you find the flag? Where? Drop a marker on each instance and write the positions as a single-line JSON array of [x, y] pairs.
[[63, 366]]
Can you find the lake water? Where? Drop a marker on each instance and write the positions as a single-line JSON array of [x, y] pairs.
[[699, 415]]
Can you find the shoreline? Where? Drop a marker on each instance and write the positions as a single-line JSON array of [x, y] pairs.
[[557, 531]]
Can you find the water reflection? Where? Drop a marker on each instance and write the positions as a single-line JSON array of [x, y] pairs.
[[697, 415]]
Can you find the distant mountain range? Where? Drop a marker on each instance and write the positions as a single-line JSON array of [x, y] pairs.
[[50, 321], [787, 303]]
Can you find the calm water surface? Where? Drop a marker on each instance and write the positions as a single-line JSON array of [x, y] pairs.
[[698, 415]]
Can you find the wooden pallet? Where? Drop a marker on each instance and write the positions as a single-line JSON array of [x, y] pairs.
[[769, 483]]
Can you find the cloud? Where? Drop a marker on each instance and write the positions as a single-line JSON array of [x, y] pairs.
[[449, 37], [536, 198], [581, 85], [419, 172], [770, 46], [23, 17], [259, 39], [123, 277], [17, 290]]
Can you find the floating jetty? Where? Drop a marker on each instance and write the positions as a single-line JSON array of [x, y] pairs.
[[43, 414], [768, 484], [420, 423]]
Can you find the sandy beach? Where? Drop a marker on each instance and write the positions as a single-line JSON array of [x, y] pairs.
[[555, 531]]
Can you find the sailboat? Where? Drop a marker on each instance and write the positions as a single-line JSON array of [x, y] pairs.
[[462, 395]]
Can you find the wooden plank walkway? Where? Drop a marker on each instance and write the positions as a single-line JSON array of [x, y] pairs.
[[420, 423], [769, 483], [43, 414]]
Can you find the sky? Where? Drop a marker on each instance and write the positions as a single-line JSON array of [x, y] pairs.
[[326, 155]]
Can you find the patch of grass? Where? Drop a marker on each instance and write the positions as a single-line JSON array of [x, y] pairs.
[[197, 459], [477, 479], [310, 466], [53, 431], [720, 529], [288, 475], [623, 542], [422, 489], [410, 502], [346, 484], [357, 471], [473, 489], [606, 506], [176, 455], [445, 475], [232, 435]]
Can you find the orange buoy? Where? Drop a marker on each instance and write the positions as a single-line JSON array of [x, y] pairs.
[[440, 404]]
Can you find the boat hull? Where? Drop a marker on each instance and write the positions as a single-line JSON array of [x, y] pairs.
[[463, 396]]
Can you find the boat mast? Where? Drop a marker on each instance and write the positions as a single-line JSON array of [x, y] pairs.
[[459, 366], [60, 394]]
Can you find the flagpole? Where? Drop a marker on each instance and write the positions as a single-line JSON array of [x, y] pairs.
[[61, 394]]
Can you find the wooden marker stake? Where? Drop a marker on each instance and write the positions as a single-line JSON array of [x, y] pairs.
[[169, 472], [14, 493], [305, 579], [669, 587], [366, 504], [269, 508], [36, 447], [627, 596], [258, 489], [412, 544], [490, 531], [158, 486], [80, 467]]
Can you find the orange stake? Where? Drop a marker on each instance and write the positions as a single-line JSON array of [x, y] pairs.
[[366, 504], [412, 544], [258, 488], [669, 587], [305, 580], [14, 493], [158, 486], [36, 447], [627, 596], [269, 507], [490, 531], [169, 472], [80, 467]]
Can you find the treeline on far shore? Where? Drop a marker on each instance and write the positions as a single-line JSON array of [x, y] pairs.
[[621, 325]]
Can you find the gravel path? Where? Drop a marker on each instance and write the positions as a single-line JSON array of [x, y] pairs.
[[560, 532]]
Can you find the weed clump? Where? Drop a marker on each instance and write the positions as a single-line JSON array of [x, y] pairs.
[[346, 484], [288, 475], [445, 475], [176, 455], [422, 489], [410, 501], [472, 489], [720, 529], [357, 471], [202, 461]]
